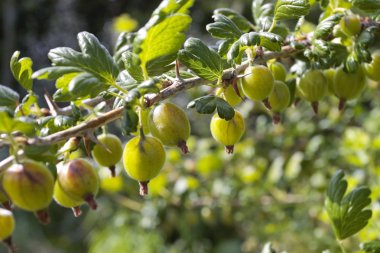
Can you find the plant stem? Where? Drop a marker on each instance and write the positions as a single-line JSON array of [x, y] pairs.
[[341, 246]]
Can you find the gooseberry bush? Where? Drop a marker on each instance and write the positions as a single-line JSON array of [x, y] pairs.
[[268, 61]]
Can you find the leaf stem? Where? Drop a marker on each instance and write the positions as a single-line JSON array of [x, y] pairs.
[[273, 25], [341, 246], [115, 85]]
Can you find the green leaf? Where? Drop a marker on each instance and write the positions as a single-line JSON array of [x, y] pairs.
[[325, 28], [132, 65], [93, 59], [223, 28], [202, 60], [85, 85], [262, 11], [42, 153], [22, 70], [130, 121], [168, 8], [347, 214], [371, 247], [368, 6], [27, 103], [162, 41], [8, 97], [53, 73], [291, 9], [10, 125], [268, 40], [208, 104], [240, 21]]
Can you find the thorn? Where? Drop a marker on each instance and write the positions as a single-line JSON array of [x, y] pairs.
[[53, 107], [177, 74], [86, 142]]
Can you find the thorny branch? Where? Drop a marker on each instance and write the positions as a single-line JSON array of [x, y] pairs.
[[177, 86]]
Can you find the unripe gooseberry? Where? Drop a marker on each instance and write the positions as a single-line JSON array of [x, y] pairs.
[[372, 69], [350, 25], [170, 125], [279, 99], [329, 74], [278, 71], [229, 94], [78, 179], [348, 86], [108, 151], [227, 132], [258, 82], [4, 200], [313, 87], [29, 185], [7, 224], [143, 158], [61, 197]]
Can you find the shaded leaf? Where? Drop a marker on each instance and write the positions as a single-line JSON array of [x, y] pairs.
[[368, 6], [291, 9], [208, 105], [130, 121], [325, 28], [347, 214], [240, 21], [371, 247], [132, 65], [162, 41], [223, 28], [8, 97], [268, 40], [202, 60]]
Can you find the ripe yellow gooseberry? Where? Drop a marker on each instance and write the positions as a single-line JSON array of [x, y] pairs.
[[108, 151], [61, 197], [29, 185], [170, 125], [350, 25], [228, 94], [258, 82], [143, 158], [78, 179], [279, 99], [348, 86], [313, 87], [7, 224], [227, 132], [372, 69], [278, 71]]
